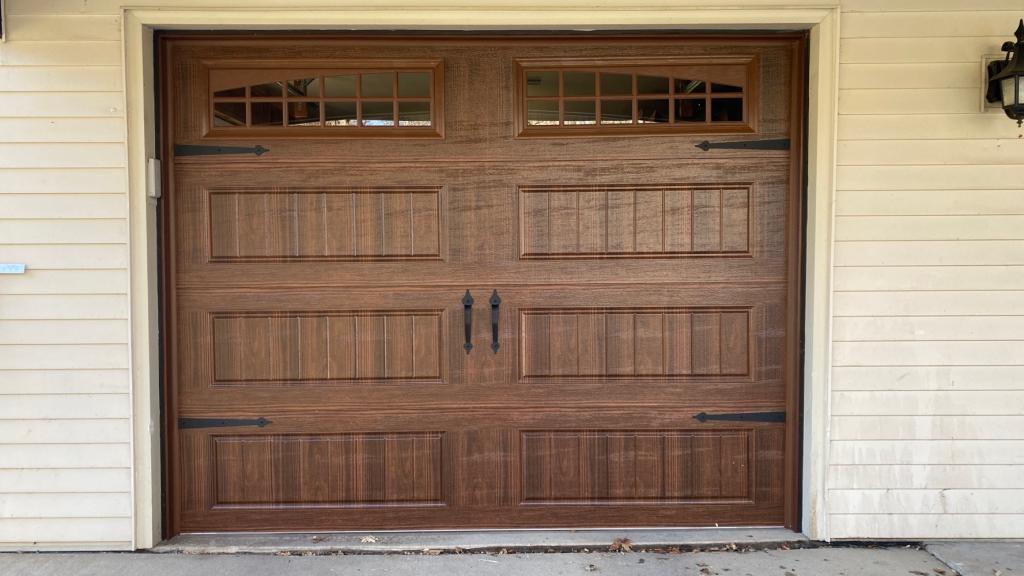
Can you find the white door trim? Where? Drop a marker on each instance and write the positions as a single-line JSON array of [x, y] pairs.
[[820, 18]]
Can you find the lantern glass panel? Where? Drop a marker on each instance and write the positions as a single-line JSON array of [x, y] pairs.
[[1010, 94]]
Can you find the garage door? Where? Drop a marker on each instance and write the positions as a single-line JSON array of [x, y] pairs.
[[480, 282]]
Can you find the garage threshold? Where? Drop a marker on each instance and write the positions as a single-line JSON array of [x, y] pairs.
[[440, 541]]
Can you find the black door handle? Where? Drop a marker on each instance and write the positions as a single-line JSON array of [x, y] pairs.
[[495, 318], [467, 316]]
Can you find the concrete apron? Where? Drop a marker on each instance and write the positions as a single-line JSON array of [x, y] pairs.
[[446, 541]]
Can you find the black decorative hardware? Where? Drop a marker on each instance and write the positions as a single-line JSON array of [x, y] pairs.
[[743, 417], [495, 318], [199, 150], [467, 313], [186, 423], [780, 144]]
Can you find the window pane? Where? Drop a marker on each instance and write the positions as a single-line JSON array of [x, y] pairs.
[[340, 113], [727, 110], [616, 111], [579, 83], [414, 113], [684, 86], [343, 86], [616, 84], [652, 85], [691, 110], [267, 114], [652, 111], [414, 84], [231, 93], [378, 85], [580, 112], [725, 88], [303, 114], [270, 89], [542, 113], [542, 83], [378, 114], [304, 87], [229, 114]]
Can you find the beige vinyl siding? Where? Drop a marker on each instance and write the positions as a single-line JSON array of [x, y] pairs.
[[65, 458], [927, 425]]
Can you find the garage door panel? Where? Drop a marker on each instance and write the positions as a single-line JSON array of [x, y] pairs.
[[452, 472], [628, 355]]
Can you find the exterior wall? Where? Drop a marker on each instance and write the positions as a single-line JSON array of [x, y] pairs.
[[927, 421], [927, 407]]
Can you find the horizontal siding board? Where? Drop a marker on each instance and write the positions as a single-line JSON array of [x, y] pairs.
[[63, 182], [100, 231], [64, 356], [874, 477], [62, 155], [71, 206], [78, 431], [950, 501], [927, 24], [63, 331], [65, 407], [909, 101], [56, 307], [61, 105], [70, 533], [936, 303], [889, 6], [947, 353], [928, 403], [65, 27], [64, 456], [924, 49], [38, 382], [68, 256], [61, 129], [982, 452], [91, 480], [921, 526], [46, 282], [922, 127], [959, 227], [923, 328], [80, 505], [60, 53], [874, 278], [930, 253], [951, 202], [893, 378], [929, 152], [61, 79], [970, 178], [924, 75], [927, 427]]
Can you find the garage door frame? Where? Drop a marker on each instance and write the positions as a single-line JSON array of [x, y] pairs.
[[139, 27]]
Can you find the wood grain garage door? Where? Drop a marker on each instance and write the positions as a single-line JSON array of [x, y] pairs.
[[481, 282]]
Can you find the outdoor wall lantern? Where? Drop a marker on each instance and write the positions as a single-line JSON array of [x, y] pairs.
[[1006, 78]]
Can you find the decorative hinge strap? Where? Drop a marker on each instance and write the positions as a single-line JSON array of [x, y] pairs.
[[743, 417], [186, 423], [781, 144], [200, 150]]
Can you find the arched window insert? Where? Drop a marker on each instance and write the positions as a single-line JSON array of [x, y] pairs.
[[637, 97], [403, 100]]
